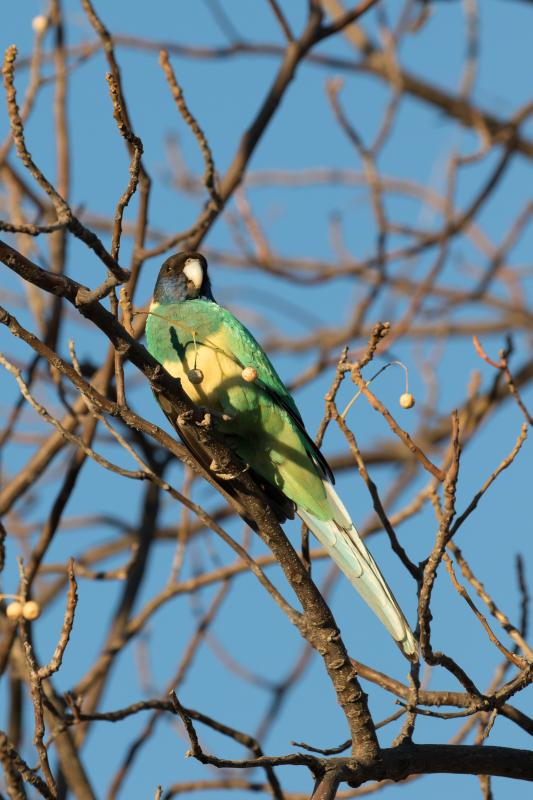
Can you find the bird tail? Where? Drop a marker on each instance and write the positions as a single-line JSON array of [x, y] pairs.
[[346, 548]]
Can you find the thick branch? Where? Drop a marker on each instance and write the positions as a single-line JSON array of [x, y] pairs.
[[319, 627]]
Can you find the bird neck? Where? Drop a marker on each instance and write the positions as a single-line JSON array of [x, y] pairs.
[[173, 289]]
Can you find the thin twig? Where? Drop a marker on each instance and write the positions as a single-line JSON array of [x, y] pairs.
[[55, 663], [210, 176]]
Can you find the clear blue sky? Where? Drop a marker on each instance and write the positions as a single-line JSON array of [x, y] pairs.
[[224, 96]]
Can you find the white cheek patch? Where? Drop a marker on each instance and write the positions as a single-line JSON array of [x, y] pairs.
[[194, 272]]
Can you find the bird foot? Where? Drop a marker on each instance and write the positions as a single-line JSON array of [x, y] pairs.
[[185, 418], [226, 476], [208, 418], [210, 415], [205, 422]]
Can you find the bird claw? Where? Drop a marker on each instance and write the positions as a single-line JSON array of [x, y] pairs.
[[226, 476], [205, 422], [212, 414], [185, 417]]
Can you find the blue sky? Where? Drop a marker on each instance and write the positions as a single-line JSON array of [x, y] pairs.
[[224, 96]]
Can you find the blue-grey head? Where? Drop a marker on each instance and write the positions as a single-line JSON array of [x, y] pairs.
[[183, 277]]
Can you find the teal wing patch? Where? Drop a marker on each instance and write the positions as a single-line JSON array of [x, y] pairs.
[[249, 352]]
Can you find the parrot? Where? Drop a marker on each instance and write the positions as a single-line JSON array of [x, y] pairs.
[[224, 370]]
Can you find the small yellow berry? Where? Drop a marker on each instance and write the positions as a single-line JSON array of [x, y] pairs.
[[407, 400], [31, 610], [14, 610], [39, 23], [249, 374], [195, 376]]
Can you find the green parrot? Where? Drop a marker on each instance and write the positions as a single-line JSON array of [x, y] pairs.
[[223, 369]]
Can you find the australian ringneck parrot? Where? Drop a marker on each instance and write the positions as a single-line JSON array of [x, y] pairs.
[[208, 349]]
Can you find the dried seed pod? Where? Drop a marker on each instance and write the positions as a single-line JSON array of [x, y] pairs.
[[195, 376], [14, 610], [407, 400], [31, 610], [249, 374]]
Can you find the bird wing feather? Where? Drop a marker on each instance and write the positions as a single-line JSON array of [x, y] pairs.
[[247, 349]]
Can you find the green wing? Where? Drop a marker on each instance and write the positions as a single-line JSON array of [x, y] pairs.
[[249, 352]]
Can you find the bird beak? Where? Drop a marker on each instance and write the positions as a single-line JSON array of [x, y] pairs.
[[194, 273]]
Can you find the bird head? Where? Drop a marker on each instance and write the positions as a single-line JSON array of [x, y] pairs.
[[183, 277]]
